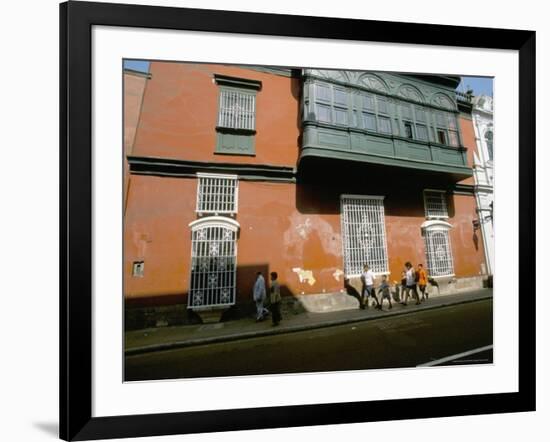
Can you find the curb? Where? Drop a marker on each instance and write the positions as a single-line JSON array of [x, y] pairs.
[[290, 329]]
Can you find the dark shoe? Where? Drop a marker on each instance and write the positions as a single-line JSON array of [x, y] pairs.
[[390, 306]]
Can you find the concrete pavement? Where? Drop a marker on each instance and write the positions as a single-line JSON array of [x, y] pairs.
[[168, 338]]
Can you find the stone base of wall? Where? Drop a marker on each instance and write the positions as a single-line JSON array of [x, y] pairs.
[[163, 316], [451, 286], [137, 318]]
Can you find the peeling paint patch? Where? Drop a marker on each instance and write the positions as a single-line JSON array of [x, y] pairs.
[[304, 275], [337, 273], [304, 229]]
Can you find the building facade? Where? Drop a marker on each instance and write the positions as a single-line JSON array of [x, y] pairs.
[[482, 114], [309, 173]]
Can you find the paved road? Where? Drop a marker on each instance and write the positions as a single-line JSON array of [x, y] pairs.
[[404, 341]]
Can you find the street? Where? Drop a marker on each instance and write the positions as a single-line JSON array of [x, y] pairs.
[[404, 341]]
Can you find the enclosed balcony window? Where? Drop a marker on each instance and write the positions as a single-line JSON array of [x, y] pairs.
[[408, 130], [331, 104], [441, 136]]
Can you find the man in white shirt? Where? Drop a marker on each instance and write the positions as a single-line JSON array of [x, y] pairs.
[[367, 280]]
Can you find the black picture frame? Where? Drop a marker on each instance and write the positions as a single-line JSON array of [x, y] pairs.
[[76, 21]]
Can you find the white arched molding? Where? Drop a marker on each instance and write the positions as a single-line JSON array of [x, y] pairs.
[[411, 92], [213, 221], [213, 269], [439, 253]]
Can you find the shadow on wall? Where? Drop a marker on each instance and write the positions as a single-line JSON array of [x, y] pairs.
[[322, 181], [171, 310]]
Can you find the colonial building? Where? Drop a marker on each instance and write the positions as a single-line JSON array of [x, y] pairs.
[[483, 173], [310, 173]]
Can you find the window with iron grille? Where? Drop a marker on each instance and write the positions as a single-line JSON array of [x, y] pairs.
[[438, 251], [217, 194], [435, 204], [237, 109], [236, 119], [363, 234], [213, 263]]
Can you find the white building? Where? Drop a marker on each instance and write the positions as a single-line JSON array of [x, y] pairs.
[[482, 114]]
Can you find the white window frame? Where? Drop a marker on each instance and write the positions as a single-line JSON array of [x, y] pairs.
[[430, 229], [214, 286], [355, 258], [440, 214], [225, 204]]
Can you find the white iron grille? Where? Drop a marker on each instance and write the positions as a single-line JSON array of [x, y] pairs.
[[364, 235], [237, 110], [435, 204], [213, 267], [438, 253], [217, 194]]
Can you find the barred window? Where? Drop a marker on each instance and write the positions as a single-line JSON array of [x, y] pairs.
[[435, 204], [213, 263], [364, 234], [237, 109], [217, 194], [438, 251]]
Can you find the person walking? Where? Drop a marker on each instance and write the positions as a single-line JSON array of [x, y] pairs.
[[422, 278], [384, 291], [259, 296], [367, 280], [275, 299], [410, 282]]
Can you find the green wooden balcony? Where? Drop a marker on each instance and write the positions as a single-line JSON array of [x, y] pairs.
[[361, 146]]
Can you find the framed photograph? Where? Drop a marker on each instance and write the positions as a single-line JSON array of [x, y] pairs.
[[273, 220]]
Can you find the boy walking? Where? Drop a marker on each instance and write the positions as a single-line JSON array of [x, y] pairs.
[[384, 291], [275, 299], [422, 281]]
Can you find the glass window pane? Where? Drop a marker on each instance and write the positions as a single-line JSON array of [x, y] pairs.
[[341, 116], [420, 115], [340, 97], [452, 121], [369, 121], [322, 92], [408, 130], [440, 119], [384, 125], [422, 132], [406, 111], [382, 105], [368, 102], [453, 138], [323, 113]]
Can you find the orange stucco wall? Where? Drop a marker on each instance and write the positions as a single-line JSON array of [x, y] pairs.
[[180, 107], [283, 226], [134, 88]]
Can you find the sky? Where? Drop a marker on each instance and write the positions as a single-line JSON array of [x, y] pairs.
[[480, 85]]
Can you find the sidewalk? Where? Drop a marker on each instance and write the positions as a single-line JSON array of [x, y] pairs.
[[168, 338]]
